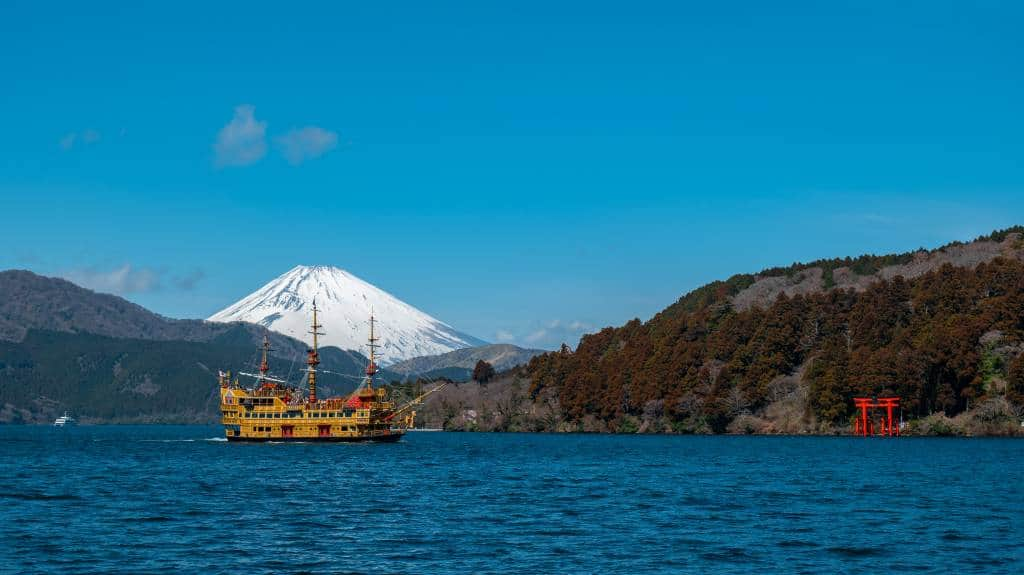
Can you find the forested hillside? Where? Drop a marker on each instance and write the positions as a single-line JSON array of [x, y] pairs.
[[110, 380], [63, 347], [943, 330]]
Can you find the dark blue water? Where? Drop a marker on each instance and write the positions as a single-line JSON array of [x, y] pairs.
[[169, 500]]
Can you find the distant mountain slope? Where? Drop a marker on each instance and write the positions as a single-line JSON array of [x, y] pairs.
[[54, 325], [30, 301], [104, 379], [345, 302], [743, 291], [502, 356], [860, 273], [785, 350]]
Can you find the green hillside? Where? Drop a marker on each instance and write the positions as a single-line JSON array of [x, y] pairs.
[[104, 379]]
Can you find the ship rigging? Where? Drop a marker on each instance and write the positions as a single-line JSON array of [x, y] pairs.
[[274, 410]]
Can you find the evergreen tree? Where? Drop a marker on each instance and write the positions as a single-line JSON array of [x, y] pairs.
[[483, 372]]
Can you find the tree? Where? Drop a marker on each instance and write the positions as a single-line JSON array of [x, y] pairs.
[[483, 372], [710, 359], [1015, 383]]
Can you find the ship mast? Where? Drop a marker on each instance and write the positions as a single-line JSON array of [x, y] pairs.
[[264, 366], [314, 356], [371, 369]]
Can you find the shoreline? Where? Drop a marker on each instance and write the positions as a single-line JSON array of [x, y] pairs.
[[1017, 435]]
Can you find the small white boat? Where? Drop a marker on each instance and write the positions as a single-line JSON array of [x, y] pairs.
[[64, 420]]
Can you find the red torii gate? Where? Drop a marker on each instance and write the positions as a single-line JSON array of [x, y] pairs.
[[864, 426]]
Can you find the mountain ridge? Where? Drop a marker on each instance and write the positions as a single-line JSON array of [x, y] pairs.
[[345, 303], [786, 349], [501, 356], [59, 343]]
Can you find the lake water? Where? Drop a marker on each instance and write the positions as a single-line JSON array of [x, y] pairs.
[[156, 499]]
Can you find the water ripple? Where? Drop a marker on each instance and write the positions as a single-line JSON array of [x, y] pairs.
[[180, 499]]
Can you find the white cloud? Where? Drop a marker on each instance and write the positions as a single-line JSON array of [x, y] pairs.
[[242, 141], [123, 280], [552, 334], [504, 335], [68, 141], [86, 137], [535, 337], [301, 144]]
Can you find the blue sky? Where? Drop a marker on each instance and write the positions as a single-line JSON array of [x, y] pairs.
[[524, 171]]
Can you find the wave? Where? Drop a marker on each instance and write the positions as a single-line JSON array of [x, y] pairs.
[[167, 440], [184, 440]]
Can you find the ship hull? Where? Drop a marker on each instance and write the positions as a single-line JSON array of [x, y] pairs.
[[392, 438]]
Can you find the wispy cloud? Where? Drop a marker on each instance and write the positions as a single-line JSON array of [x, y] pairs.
[[549, 335], [190, 280], [85, 137], [125, 279], [301, 144], [128, 279], [243, 141], [68, 141]]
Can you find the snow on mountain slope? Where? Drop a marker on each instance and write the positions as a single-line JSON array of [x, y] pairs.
[[344, 302]]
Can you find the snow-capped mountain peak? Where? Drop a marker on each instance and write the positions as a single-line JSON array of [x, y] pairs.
[[344, 303]]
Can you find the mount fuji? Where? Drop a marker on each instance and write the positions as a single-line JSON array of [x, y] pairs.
[[344, 303]]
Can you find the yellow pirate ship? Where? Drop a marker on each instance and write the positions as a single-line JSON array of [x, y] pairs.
[[272, 410]]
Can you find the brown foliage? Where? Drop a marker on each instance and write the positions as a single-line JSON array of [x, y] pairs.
[[704, 361]]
